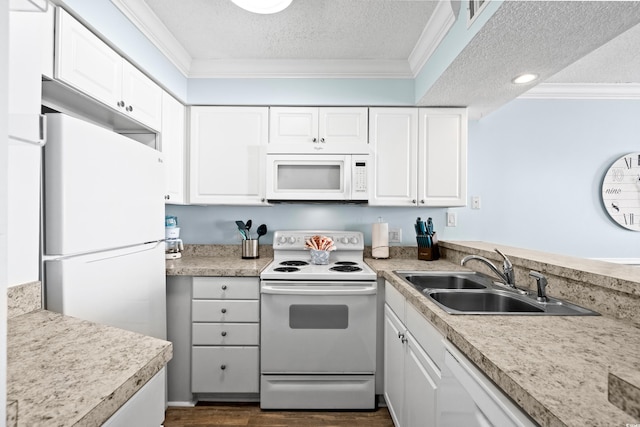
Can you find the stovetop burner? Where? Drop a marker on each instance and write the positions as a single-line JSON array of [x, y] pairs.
[[346, 268], [286, 269], [294, 263], [346, 263]]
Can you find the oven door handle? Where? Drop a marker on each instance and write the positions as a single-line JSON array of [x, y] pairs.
[[318, 290]]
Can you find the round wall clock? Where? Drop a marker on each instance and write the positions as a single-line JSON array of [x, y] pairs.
[[621, 191]]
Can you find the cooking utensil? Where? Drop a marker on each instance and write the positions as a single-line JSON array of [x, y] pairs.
[[262, 230], [241, 228], [247, 227]]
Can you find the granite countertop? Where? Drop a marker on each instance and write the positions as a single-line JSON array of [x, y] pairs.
[[215, 266], [65, 371], [556, 368], [221, 260]]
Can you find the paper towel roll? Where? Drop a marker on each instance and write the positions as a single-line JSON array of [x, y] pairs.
[[380, 240]]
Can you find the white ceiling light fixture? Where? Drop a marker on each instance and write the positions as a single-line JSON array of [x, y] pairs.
[[264, 7], [524, 78]]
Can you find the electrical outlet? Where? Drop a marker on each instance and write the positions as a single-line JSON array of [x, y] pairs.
[[475, 202], [452, 219], [395, 235]]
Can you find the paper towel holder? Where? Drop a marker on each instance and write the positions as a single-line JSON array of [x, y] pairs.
[[380, 240]]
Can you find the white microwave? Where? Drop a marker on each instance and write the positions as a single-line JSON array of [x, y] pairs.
[[317, 177]]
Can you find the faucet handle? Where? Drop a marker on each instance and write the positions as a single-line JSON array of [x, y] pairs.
[[507, 263], [541, 282]]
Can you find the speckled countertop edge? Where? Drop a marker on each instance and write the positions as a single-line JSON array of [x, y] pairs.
[[66, 371], [557, 369], [622, 278]]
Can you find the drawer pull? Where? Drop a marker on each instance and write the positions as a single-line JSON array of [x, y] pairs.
[[223, 367], [224, 287], [224, 310], [224, 333]]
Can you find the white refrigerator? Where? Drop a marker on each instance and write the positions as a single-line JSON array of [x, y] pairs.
[[103, 227]]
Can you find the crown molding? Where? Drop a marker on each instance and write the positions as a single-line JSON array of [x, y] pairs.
[[139, 13], [298, 68], [584, 91], [436, 29]]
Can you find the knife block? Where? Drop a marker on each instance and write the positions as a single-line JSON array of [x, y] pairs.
[[428, 253]]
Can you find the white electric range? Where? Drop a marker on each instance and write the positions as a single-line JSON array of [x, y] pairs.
[[318, 325]]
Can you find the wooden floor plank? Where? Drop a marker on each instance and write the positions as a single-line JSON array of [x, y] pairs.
[[250, 414]]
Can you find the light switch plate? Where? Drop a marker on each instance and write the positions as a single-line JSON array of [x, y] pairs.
[[452, 219], [395, 235]]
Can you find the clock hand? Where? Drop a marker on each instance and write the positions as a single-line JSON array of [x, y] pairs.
[[615, 206]]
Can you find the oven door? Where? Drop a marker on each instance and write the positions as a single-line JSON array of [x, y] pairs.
[[318, 327]]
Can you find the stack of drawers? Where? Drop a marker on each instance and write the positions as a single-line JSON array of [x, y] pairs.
[[225, 335]]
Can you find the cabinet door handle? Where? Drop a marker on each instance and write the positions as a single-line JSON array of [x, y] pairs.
[[224, 310], [314, 140], [223, 367], [422, 201], [129, 108], [224, 333], [120, 104], [402, 337], [224, 287], [322, 140], [413, 201]]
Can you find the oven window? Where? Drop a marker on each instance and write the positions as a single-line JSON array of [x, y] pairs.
[[317, 316], [310, 177]]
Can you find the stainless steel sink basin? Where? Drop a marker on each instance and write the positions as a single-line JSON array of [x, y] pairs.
[[425, 280], [491, 301], [476, 293]]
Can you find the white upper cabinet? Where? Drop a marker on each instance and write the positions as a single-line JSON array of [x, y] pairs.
[[227, 146], [394, 142], [420, 156], [172, 144], [329, 130], [442, 151], [86, 63], [142, 97]]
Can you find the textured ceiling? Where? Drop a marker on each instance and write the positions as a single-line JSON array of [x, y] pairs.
[[565, 42], [308, 29], [540, 37]]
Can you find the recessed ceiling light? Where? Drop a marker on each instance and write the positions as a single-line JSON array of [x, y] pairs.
[[264, 7], [524, 78]]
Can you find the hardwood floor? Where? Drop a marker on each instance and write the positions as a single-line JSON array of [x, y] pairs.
[[250, 414]]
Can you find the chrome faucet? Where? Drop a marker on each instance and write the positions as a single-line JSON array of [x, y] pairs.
[[506, 276]]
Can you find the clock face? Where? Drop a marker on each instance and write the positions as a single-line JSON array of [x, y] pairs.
[[621, 191]]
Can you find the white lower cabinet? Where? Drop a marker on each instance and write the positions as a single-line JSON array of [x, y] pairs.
[[411, 376], [428, 382], [225, 351]]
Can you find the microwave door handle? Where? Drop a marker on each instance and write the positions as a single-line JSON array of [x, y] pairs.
[[347, 179], [318, 290]]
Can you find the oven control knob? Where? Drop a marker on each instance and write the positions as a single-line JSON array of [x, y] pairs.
[[282, 239], [292, 240], [354, 240], [345, 240]]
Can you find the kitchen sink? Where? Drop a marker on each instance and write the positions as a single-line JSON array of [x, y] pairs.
[[490, 301], [476, 293], [423, 280]]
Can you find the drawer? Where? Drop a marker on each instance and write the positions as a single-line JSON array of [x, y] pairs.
[[395, 300], [429, 338], [205, 310], [226, 287], [225, 334], [225, 370]]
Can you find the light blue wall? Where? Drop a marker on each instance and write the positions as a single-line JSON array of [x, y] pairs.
[[537, 166], [380, 92]]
